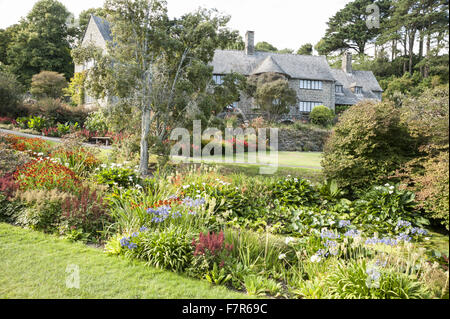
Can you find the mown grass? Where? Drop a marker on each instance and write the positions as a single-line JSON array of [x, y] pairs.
[[33, 265]]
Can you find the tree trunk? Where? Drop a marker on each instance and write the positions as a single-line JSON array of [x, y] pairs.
[[143, 164], [412, 38]]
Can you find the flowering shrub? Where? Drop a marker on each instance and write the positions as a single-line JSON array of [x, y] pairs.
[[46, 173], [78, 159], [51, 131], [210, 252], [20, 143], [117, 176], [87, 212], [8, 185]]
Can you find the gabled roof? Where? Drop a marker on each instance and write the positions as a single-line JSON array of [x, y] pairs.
[[296, 66], [268, 65], [364, 79], [103, 27]]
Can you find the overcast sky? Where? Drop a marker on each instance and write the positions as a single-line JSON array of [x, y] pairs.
[[283, 23]]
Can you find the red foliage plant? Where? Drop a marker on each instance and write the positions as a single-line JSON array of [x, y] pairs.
[[210, 242], [8, 185]]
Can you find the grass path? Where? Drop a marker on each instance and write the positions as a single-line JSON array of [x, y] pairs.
[[33, 265]]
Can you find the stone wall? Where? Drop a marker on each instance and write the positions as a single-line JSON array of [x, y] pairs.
[[304, 139]]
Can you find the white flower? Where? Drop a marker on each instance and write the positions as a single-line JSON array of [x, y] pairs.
[[138, 186], [315, 258], [186, 186], [390, 192], [387, 185], [282, 256], [104, 166], [66, 164], [288, 240]]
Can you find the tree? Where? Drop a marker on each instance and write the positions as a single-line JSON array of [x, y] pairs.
[[286, 51], [41, 42], [265, 47], [48, 84], [321, 115], [11, 92], [347, 29], [272, 93], [306, 49], [157, 66], [365, 150]]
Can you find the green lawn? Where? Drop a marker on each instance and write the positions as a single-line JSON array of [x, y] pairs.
[[284, 159], [33, 265]]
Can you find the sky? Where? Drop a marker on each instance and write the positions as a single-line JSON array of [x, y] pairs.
[[282, 23]]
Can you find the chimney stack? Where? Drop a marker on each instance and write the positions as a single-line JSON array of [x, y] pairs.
[[250, 43], [347, 62]]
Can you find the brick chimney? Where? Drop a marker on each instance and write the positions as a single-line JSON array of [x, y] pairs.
[[250, 43], [347, 62]]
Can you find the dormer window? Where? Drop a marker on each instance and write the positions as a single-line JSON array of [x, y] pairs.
[[358, 90], [339, 89]]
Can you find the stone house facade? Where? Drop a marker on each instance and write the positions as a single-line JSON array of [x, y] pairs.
[[310, 76]]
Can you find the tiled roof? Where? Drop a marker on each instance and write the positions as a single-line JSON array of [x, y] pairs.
[[296, 66], [103, 27], [364, 79]]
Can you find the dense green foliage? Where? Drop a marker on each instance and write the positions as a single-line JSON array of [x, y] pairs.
[[367, 145], [321, 115], [11, 92]]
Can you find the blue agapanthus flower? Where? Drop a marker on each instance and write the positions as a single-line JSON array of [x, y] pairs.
[[344, 223], [352, 233], [190, 202], [403, 224], [132, 246], [404, 237], [125, 241], [329, 234], [143, 228], [418, 231]]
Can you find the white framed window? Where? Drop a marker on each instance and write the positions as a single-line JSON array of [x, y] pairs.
[[358, 90], [307, 106], [339, 89], [218, 79], [311, 85]]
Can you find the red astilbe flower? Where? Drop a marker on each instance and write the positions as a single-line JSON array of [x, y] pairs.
[[210, 242]]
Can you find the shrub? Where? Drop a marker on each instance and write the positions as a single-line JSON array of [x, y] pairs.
[[37, 123], [48, 84], [76, 88], [11, 92], [292, 191], [118, 176], [367, 145], [42, 209], [77, 158], [58, 112], [96, 122], [321, 115], [382, 207], [433, 188], [10, 159], [210, 253], [86, 212]]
